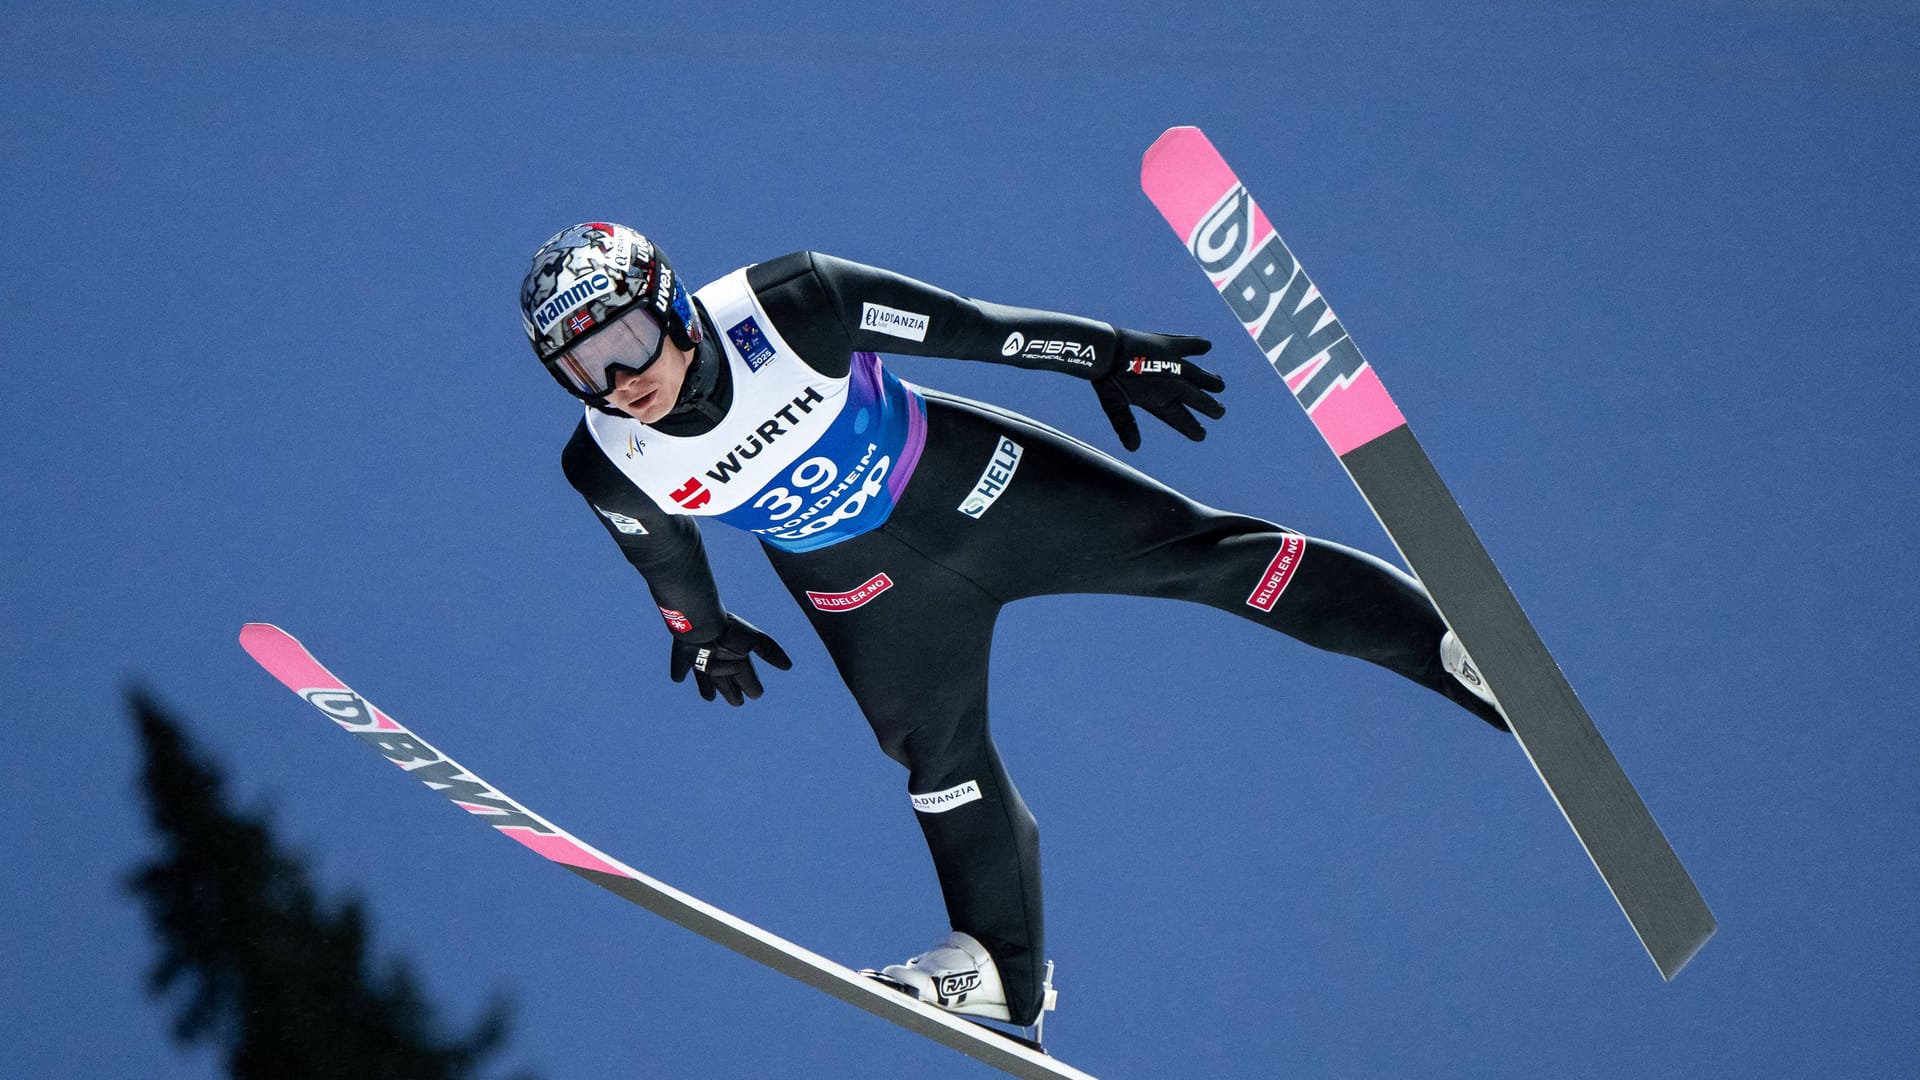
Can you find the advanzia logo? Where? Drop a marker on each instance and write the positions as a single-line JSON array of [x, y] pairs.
[[421, 761]]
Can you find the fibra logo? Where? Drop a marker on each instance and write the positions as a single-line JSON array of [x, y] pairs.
[[1059, 352], [563, 302]]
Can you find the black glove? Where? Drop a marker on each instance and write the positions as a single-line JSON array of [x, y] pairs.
[[1153, 372], [725, 664]]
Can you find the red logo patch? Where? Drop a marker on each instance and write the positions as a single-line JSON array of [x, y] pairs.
[[693, 494], [680, 623], [847, 601], [1279, 573]]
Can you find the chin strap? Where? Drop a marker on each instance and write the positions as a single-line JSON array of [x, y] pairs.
[[703, 393]]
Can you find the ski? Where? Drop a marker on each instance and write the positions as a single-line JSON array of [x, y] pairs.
[[289, 661], [1281, 308]]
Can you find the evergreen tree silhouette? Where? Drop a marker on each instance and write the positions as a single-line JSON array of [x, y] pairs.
[[256, 961]]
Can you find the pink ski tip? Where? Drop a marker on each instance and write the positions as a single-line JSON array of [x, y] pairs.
[[1174, 141]]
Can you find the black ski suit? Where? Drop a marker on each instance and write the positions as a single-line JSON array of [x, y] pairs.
[[998, 507]]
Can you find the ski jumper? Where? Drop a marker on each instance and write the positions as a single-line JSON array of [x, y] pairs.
[[902, 519]]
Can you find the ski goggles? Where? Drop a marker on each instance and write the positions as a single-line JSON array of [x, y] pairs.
[[629, 343]]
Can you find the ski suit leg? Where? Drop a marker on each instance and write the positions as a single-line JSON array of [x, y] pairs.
[[912, 645], [914, 655], [1075, 520]]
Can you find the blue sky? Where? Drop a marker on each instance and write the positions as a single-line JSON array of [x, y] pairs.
[[1640, 275]]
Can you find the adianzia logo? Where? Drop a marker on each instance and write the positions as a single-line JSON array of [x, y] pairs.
[[939, 802], [886, 320]]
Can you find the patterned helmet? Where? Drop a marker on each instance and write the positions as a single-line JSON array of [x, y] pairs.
[[584, 277]]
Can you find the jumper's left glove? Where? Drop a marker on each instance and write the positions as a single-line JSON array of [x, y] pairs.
[[725, 664], [1153, 372]]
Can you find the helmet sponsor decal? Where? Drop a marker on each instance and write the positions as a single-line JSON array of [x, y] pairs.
[[752, 343], [993, 479], [939, 802], [852, 598], [1278, 573], [573, 296], [885, 320]]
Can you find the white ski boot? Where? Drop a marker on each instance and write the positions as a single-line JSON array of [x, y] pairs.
[[1453, 656], [959, 975]]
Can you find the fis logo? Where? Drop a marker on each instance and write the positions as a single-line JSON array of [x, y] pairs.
[[1140, 365]]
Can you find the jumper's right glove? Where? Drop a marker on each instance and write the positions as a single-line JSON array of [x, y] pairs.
[[725, 664], [1153, 371]]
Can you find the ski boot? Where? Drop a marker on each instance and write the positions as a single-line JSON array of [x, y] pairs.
[[1453, 656], [958, 975]]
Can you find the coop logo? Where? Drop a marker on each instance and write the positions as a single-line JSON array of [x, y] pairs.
[[1071, 353], [901, 324], [939, 802], [1269, 281], [561, 303], [852, 598]]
